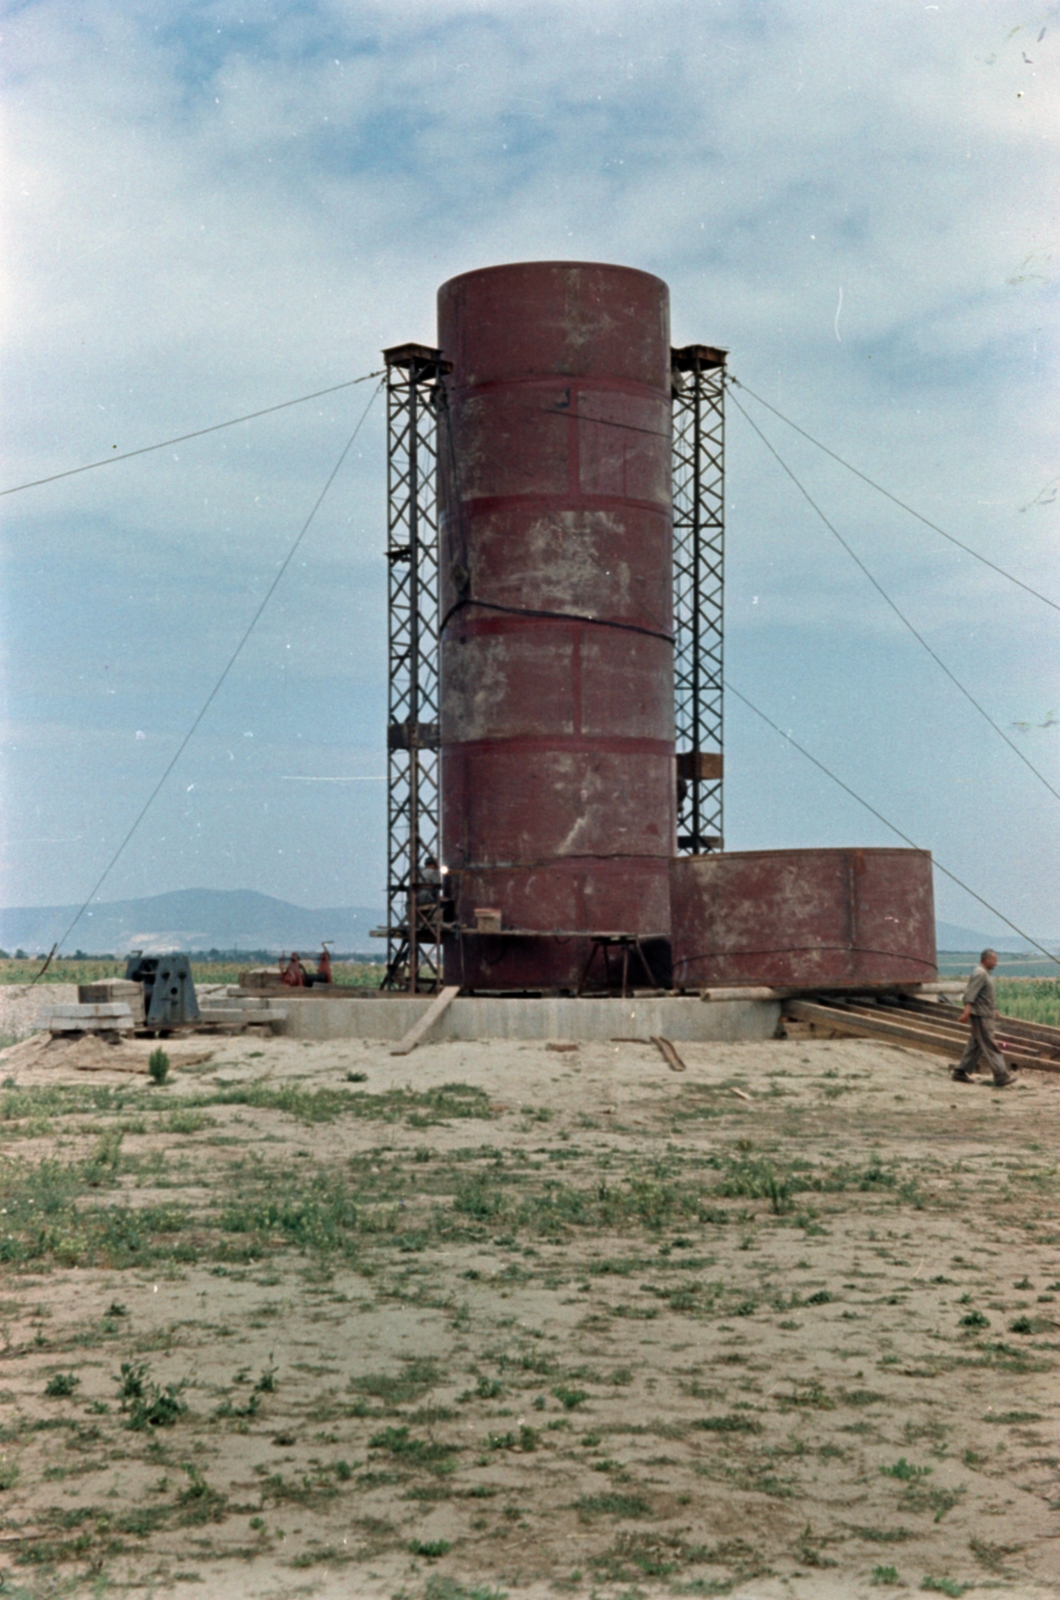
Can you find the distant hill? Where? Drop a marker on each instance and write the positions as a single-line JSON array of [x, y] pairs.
[[242, 919], [951, 937], [192, 919]]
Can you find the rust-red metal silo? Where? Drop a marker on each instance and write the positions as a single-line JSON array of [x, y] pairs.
[[557, 752], [803, 918]]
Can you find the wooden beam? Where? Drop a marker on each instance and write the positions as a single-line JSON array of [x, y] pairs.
[[668, 1052], [433, 1014], [840, 1019]]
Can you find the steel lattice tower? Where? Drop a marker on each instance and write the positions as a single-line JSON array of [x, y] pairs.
[[413, 909], [699, 578]]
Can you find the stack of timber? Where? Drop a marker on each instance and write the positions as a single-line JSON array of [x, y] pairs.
[[927, 1025]]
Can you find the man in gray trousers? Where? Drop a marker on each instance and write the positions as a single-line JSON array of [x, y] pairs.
[[980, 1009]]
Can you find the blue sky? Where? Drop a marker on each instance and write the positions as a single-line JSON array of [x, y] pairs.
[[211, 208]]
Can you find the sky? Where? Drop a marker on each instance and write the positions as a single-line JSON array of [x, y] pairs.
[[211, 208]]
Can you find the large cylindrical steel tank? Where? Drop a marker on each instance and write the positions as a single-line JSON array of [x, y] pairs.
[[803, 918], [557, 753]]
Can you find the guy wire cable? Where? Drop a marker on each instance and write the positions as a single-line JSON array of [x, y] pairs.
[[893, 605], [731, 688], [347, 447], [732, 379], [145, 450]]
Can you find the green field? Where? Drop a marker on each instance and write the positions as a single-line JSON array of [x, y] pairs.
[[89, 969], [1032, 999]]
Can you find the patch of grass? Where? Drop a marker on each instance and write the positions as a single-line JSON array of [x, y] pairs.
[[416, 1379], [421, 1107], [158, 1066], [417, 1452], [431, 1549], [944, 1586], [730, 1424], [442, 1587], [974, 1319], [612, 1505], [570, 1399], [884, 1575]]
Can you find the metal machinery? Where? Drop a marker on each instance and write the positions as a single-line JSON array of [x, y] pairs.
[[556, 657], [699, 587], [169, 992], [413, 913], [803, 919]]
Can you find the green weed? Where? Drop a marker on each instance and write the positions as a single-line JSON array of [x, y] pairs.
[[61, 1386], [905, 1472], [158, 1066]]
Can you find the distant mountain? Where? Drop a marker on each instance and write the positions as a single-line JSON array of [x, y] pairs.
[[951, 937], [192, 919]]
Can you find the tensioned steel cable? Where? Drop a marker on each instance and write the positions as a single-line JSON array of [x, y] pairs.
[[145, 450], [145, 808], [1044, 598], [919, 637], [731, 688]]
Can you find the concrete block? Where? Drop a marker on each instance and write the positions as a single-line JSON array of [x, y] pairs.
[[486, 1017]]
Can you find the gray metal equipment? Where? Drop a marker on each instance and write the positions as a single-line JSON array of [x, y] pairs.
[[169, 993]]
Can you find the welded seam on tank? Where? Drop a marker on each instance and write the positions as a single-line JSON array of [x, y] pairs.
[[798, 949], [562, 616]]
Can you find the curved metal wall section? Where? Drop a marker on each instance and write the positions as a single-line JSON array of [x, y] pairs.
[[803, 918], [557, 758]]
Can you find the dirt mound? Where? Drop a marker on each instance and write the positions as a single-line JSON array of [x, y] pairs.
[[89, 1053]]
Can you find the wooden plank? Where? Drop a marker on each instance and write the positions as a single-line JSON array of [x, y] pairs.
[[935, 1042], [844, 1020], [1015, 1042], [433, 1014], [1010, 1027], [668, 1051]]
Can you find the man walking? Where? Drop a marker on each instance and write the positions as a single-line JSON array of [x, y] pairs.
[[980, 1009]]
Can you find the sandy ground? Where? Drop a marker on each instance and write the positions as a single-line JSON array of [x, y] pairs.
[[504, 1319]]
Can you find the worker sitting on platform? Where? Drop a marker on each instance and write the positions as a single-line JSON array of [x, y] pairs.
[[323, 972], [293, 974]]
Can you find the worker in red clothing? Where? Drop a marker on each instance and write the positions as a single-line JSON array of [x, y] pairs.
[[293, 974]]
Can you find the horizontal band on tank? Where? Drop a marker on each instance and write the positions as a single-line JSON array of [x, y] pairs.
[[566, 744], [516, 618], [530, 614]]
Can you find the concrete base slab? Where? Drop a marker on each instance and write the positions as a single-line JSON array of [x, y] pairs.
[[484, 1017]]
